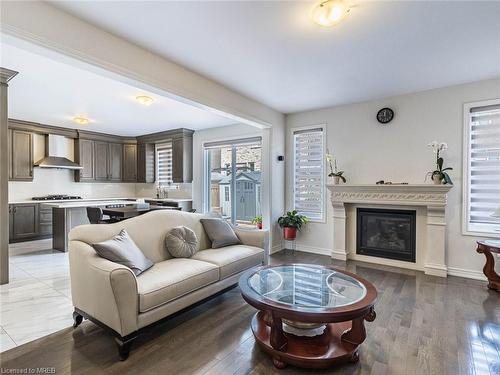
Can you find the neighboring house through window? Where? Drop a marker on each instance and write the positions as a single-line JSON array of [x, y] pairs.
[[309, 172], [482, 168]]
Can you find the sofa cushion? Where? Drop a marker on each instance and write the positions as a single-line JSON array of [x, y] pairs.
[[122, 249], [181, 242], [220, 233], [171, 279], [232, 259]]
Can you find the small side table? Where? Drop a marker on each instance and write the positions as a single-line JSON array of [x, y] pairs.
[[487, 247]]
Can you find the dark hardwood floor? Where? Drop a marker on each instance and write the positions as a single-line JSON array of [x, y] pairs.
[[424, 325]]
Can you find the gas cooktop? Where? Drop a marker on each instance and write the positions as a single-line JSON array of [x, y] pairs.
[[56, 197]]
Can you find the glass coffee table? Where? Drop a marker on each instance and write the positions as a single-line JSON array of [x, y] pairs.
[[310, 316]]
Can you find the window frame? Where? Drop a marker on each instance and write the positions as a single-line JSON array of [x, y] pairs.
[[323, 218], [158, 146], [466, 177]]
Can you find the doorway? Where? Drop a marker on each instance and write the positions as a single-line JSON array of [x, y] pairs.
[[233, 176]]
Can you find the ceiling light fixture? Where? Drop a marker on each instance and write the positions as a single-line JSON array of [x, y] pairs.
[[329, 12], [81, 120], [144, 99]]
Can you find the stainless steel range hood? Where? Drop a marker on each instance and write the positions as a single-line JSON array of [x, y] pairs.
[[56, 152]]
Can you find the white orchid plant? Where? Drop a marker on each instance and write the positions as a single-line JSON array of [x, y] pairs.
[[440, 172], [334, 172]]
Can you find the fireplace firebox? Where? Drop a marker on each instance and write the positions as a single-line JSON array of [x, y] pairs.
[[386, 233]]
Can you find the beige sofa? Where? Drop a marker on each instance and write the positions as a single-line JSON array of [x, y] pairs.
[[111, 295]]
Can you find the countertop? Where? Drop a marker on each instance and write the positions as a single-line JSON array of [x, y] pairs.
[[100, 199], [85, 203]]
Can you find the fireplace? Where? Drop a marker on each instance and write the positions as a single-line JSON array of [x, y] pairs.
[[386, 233]]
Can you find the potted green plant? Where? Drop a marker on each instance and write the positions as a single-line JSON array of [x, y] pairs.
[[291, 222], [440, 174], [257, 220], [334, 172]]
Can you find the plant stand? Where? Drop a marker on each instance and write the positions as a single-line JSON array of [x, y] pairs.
[[291, 245]]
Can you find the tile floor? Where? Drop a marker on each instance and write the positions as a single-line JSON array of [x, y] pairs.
[[37, 301]]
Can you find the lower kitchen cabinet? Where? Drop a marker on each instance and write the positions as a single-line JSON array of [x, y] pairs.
[[27, 222]]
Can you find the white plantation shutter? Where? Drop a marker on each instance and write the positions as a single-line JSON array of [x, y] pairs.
[[164, 163], [483, 169], [309, 184]]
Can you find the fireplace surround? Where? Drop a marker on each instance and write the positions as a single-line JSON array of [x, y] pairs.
[[428, 200]]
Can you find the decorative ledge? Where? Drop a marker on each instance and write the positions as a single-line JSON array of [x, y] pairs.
[[415, 195]]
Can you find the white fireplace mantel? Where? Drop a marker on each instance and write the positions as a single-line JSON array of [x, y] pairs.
[[430, 201]]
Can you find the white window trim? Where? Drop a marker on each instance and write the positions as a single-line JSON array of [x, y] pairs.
[[323, 220], [466, 169]]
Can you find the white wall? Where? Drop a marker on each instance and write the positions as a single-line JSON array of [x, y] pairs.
[[398, 152]]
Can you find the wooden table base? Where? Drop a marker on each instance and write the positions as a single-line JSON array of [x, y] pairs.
[[487, 248], [320, 351]]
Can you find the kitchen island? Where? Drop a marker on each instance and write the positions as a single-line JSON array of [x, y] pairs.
[[67, 215]]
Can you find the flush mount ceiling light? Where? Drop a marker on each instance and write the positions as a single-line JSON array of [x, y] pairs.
[[144, 99], [80, 120], [329, 12]]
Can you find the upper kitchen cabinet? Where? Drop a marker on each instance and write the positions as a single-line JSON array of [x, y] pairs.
[[21, 155], [146, 162], [84, 155], [106, 158], [115, 162], [129, 162], [182, 156]]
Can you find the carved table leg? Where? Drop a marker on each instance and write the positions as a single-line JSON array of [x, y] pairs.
[[489, 269], [277, 339], [357, 334]]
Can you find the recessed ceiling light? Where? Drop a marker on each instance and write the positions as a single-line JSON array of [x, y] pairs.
[[144, 99], [329, 12], [81, 120]]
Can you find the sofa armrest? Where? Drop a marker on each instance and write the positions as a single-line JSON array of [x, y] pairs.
[[254, 237], [105, 290]]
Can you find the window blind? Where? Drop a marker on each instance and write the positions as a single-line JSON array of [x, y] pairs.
[[164, 163], [309, 173], [484, 169]]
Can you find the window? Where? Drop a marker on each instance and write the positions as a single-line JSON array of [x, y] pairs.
[[482, 169], [309, 173], [232, 179], [164, 163]]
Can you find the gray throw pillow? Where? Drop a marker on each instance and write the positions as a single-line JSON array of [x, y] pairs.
[[122, 249], [220, 232], [181, 242]]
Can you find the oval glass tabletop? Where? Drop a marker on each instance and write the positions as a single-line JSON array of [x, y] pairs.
[[307, 287]]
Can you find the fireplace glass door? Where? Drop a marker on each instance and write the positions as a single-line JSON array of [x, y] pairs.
[[386, 233]]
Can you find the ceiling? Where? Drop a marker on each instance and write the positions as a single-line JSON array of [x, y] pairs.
[[50, 92], [270, 51]]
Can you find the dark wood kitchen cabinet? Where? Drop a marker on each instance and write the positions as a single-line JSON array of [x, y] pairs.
[[21, 155], [84, 155], [101, 154], [182, 157], [129, 162], [146, 162], [29, 221], [23, 221], [115, 155]]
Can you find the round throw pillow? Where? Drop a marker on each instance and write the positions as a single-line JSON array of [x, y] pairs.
[[181, 242]]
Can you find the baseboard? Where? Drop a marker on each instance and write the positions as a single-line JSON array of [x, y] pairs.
[[276, 248], [468, 274], [313, 249]]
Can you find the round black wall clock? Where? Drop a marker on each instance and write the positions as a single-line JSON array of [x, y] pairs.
[[385, 115]]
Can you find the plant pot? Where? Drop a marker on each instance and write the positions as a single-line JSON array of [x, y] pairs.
[[437, 179], [259, 225], [289, 233]]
